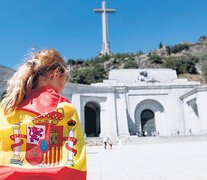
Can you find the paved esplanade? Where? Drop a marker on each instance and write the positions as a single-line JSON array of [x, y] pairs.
[[171, 160], [105, 42]]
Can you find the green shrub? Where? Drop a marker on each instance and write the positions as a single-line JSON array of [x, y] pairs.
[[182, 65], [156, 59], [130, 65], [139, 53], [179, 47], [121, 56], [104, 58], [131, 55]]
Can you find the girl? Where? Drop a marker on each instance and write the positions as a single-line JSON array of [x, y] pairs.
[[40, 131]]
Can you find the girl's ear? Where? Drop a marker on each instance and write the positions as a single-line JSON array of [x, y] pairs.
[[56, 74]]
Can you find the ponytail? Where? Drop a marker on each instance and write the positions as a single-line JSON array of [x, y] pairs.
[[26, 77]]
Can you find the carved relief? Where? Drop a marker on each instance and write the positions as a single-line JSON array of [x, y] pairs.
[[145, 77]]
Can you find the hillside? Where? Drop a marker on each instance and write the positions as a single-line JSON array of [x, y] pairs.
[[188, 59]]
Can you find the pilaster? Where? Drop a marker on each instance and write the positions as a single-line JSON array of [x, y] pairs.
[[76, 101], [121, 109]]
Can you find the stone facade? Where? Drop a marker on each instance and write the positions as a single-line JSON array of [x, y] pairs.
[[122, 104]]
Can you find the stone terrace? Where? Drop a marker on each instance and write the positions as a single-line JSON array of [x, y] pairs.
[[150, 158]]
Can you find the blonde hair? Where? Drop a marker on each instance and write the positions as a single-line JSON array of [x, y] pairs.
[[26, 77]]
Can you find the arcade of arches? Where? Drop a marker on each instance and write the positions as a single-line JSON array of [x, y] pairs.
[[148, 115]]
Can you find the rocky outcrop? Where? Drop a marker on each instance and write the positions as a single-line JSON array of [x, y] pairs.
[[198, 49], [203, 39], [163, 52]]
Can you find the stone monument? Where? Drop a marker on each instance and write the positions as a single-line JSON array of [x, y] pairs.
[[105, 42]]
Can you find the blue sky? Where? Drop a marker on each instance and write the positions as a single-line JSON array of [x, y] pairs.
[[72, 28]]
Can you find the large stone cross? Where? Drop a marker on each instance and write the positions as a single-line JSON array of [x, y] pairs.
[[105, 42]]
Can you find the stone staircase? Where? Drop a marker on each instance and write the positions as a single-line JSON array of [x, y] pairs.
[[93, 141], [97, 141], [162, 139]]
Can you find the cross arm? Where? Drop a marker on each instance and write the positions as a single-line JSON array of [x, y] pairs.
[[110, 10], [98, 10]]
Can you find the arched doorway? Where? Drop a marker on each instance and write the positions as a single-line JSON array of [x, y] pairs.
[[148, 122], [150, 109], [92, 119]]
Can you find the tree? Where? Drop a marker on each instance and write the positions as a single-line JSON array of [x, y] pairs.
[[160, 45], [131, 55], [71, 62], [79, 61], [88, 76], [105, 58], [97, 60], [86, 63]]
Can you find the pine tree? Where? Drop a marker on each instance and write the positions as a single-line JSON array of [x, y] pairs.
[[160, 45]]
